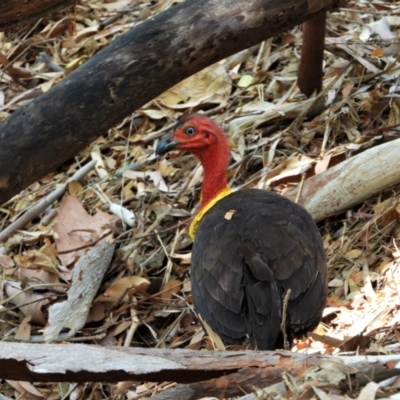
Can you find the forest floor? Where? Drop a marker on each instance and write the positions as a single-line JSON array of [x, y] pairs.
[[145, 296]]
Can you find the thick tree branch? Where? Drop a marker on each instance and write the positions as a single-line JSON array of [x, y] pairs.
[[210, 373], [132, 70], [16, 12]]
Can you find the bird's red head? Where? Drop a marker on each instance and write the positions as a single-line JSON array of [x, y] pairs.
[[198, 135], [202, 137]]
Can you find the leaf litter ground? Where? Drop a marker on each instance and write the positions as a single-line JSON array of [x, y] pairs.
[[144, 205]]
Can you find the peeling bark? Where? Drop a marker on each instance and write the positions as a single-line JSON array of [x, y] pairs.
[[205, 373], [84, 363]]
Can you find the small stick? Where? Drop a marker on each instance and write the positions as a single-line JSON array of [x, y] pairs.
[[46, 60], [42, 204], [155, 135], [184, 186], [87, 245], [135, 323], [26, 289], [283, 323], [259, 55], [168, 268], [303, 178]]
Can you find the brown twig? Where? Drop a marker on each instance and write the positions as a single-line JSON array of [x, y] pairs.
[[283, 323]]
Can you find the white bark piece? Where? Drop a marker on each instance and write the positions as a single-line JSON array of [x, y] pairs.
[[350, 182], [87, 276], [123, 213]]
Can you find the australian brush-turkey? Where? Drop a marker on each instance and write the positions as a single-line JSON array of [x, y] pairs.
[[250, 247]]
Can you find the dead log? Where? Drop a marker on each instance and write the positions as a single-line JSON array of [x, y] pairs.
[[350, 182], [17, 12], [132, 70], [86, 363], [221, 373]]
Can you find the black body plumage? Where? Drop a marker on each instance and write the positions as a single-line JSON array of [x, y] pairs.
[[244, 262]]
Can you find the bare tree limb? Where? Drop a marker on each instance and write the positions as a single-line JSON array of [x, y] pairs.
[[132, 70], [350, 182]]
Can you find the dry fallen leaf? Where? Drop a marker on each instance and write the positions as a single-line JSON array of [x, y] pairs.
[[169, 289], [26, 389], [24, 330], [118, 290], [217, 342], [96, 313], [355, 253], [211, 85], [6, 261], [155, 176], [75, 189], [75, 229], [28, 302], [368, 392], [44, 258], [293, 166]]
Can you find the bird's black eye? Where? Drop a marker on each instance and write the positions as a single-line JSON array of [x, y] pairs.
[[190, 131]]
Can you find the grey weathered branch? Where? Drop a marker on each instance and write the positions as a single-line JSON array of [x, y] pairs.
[[217, 373], [84, 363], [132, 70]]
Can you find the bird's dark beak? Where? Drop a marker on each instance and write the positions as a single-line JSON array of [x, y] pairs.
[[166, 144]]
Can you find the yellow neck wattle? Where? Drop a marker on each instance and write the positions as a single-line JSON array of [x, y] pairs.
[[196, 221]]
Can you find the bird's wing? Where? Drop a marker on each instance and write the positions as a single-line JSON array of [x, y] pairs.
[[217, 277], [289, 242]]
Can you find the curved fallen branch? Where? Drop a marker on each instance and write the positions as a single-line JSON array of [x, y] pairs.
[[134, 69], [350, 182]]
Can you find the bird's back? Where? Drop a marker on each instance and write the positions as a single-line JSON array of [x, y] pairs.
[[250, 248]]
